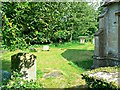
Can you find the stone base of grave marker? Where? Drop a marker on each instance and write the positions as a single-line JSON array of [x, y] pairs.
[[82, 40]]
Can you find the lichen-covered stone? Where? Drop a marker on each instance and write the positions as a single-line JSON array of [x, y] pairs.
[[104, 75], [24, 63], [53, 74]]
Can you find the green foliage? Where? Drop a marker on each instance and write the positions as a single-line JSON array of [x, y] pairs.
[[17, 82], [26, 23], [62, 35], [94, 82]]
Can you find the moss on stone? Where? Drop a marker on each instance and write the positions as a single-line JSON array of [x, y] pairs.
[[103, 77]]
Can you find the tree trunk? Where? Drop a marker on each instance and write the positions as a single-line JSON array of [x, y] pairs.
[[71, 37]]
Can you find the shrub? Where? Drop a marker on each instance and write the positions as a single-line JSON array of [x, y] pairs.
[[17, 82], [95, 82]]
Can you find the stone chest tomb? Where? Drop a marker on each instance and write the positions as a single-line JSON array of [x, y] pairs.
[[107, 38]]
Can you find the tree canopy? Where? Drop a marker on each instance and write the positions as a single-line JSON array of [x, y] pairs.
[[26, 23]]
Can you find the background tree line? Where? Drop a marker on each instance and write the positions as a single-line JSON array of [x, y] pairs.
[[28, 23]]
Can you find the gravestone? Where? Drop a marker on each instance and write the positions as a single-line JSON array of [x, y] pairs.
[[82, 40], [53, 74], [24, 63], [46, 48]]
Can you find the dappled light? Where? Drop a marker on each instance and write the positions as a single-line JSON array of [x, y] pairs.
[[59, 45]]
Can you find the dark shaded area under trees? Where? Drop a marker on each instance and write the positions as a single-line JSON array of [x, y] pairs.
[[28, 23], [84, 61]]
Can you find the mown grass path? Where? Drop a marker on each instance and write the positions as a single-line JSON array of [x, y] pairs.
[[70, 59]]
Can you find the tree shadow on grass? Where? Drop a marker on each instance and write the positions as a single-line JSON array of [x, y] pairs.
[[81, 58]]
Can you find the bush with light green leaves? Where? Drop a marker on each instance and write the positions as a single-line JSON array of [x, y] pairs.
[[16, 82]]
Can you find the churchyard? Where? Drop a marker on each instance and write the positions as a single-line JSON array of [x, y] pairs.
[[60, 45], [60, 67]]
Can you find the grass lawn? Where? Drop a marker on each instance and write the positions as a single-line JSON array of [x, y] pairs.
[[71, 59]]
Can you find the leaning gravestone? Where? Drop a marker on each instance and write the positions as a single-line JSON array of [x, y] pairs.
[[24, 63]]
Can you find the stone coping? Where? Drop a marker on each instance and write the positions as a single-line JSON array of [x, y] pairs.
[[107, 77], [110, 75], [106, 58]]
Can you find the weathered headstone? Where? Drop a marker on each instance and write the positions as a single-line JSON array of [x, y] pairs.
[[46, 48], [24, 63]]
